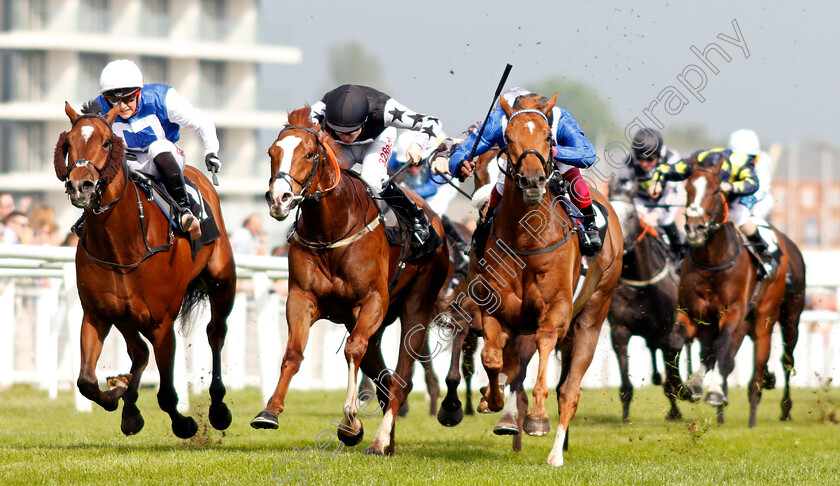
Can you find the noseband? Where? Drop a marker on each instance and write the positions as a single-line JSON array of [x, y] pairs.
[[709, 225], [514, 174], [323, 154], [101, 181]]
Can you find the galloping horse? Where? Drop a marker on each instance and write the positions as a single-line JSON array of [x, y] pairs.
[[721, 299], [645, 298], [139, 289], [526, 282], [340, 268]]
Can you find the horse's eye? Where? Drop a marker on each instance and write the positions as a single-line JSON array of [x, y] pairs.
[[107, 143], [309, 155]]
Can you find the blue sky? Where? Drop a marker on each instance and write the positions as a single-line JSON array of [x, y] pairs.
[[445, 58]]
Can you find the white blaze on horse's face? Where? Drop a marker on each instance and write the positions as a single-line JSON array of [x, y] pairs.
[[695, 209], [87, 131], [531, 127], [282, 194]]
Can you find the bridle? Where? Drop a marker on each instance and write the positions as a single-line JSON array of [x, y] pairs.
[[101, 182], [709, 225], [514, 173], [324, 154]]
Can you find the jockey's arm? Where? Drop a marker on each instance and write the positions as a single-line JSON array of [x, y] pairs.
[[668, 172], [744, 182], [493, 135], [428, 127], [180, 111], [573, 148]]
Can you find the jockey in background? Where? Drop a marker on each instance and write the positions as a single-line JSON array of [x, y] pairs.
[[364, 122], [648, 152], [571, 152], [738, 180], [149, 122], [746, 142], [437, 193]]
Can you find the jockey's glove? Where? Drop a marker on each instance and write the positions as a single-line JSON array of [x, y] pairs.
[[212, 162]]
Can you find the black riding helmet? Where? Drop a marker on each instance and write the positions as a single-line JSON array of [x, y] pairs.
[[346, 108], [647, 142]]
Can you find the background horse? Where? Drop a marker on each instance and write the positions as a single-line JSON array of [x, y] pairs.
[[138, 289], [645, 298], [526, 283], [342, 268], [721, 300]]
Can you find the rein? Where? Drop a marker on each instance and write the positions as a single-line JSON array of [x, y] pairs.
[[729, 227], [86, 164], [324, 152]]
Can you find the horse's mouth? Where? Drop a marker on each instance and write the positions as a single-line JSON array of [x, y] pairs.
[[278, 212], [533, 197], [80, 202]]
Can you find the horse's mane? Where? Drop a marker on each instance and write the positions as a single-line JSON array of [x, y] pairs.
[[300, 118], [530, 102], [92, 107]]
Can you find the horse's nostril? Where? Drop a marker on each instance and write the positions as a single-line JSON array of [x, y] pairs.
[[541, 180], [88, 185], [286, 196]]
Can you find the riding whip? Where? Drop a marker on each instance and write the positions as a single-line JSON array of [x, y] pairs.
[[493, 103]]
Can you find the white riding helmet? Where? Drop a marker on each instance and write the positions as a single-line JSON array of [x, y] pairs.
[[121, 74], [744, 141]]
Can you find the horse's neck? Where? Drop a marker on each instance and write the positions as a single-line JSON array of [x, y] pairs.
[[335, 214], [538, 225], [116, 230], [643, 262], [723, 243]]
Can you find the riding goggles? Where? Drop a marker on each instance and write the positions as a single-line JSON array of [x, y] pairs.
[[116, 96]]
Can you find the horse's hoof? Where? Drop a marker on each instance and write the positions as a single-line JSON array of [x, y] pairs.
[[186, 428], [656, 379], [220, 417], [674, 415], [350, 440], [536, 427], [450, 417], [506, 426], [716, 399], [265, 420], [769, 381], [483, 407], [132, 425], [696, 393], [371, 451]]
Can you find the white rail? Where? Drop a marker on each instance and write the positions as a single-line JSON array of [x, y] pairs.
[[40, 345]]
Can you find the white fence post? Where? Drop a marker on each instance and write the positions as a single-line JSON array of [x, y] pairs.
[[268, 334], [7, 330], [74, 323]]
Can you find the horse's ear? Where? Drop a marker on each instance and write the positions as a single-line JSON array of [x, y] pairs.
[[112, 114], [549, 105], [71, 113], [505, 107]]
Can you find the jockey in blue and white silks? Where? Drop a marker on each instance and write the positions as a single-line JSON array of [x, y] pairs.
[[571, 152], [150, 117]]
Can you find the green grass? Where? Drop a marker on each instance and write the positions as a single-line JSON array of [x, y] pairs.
[[48, 442]]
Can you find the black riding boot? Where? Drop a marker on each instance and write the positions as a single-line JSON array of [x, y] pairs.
[[398, 199], [173, 181], [763, 254], [674, 241], [591, 241], [460, 249]]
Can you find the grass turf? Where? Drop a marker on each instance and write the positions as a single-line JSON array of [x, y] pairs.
[[46, 441]]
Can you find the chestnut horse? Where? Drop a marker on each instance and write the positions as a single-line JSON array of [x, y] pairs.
[[719, 301], [340, 268], [139, 289], [645, 298], [525, 283]]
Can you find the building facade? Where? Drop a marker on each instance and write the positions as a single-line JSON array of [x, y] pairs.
[[52, 51]]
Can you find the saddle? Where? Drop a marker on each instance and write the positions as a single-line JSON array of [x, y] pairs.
[[398, 222], [768, 236], [155, 192], [484, 226]]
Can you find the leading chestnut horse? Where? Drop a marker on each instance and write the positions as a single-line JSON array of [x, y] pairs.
[[719, 301], [135, 273], [341, 268], [525, 283]]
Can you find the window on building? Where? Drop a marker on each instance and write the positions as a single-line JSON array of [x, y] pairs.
[[94, 15], [22, 75], [213, 87], [155, 70], [22, 147], [90, 66], [156, 19], [23, 14], [213, 25]]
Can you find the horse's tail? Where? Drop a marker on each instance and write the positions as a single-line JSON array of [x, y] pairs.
[[193, 297]]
